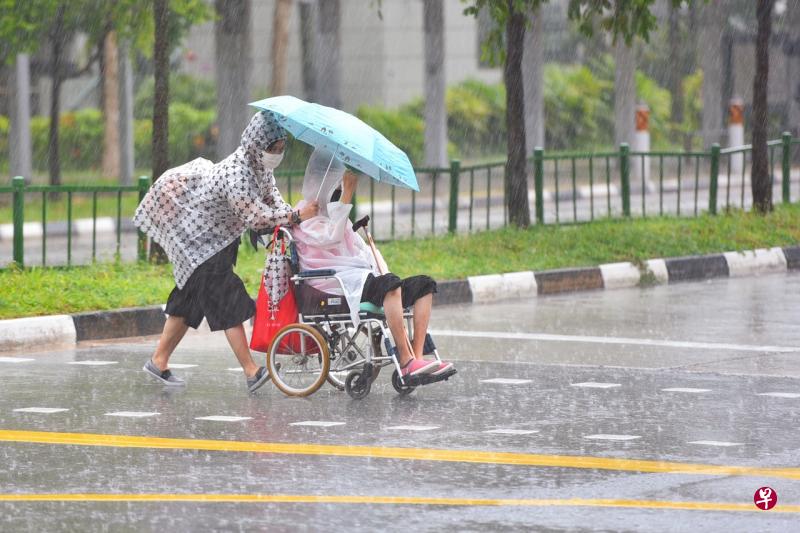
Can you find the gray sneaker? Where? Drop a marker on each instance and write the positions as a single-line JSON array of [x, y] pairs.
[[257, 381], [164, 377]]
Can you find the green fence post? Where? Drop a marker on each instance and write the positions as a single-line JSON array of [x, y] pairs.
[[455, 176], [354, 208], [787, 150], [19, 219], [144, 185], [625, 177], [713, 179], [538, 182]]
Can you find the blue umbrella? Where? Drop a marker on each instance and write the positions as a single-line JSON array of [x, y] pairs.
[[348, 138]]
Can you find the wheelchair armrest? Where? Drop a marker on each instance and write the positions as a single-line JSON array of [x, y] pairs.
[[318, 273]]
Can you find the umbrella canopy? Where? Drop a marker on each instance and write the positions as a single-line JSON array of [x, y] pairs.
[[349, 139]]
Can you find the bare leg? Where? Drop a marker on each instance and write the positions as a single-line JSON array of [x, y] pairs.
[[422, 315], [238, 341], [174, 329], [393, 307]]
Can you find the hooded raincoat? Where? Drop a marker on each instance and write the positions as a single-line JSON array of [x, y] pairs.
[[328, 240], [195, 210]]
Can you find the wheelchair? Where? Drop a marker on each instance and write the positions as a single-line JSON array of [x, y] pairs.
[[325, 345]]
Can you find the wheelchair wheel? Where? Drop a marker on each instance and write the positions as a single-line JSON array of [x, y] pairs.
[[298, 360], [357, 384], [344, 359], [399, 386]]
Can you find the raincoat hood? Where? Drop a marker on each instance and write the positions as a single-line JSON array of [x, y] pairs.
[[324, 173]]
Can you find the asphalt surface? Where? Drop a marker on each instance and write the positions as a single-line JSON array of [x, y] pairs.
[[630, 410]]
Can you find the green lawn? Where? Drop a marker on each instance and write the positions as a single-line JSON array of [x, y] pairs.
[[50, 291]]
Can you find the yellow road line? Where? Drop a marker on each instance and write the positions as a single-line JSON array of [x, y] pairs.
[[416, 454], [395, 500]]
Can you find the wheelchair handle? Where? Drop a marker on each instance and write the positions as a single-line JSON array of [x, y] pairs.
[[363, 223]]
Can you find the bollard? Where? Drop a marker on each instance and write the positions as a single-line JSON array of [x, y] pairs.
[[455, 175], [713, 179], [144, 185], [625, 177], [736, 133], [641, 164], [19, 219], [538, 182], [786, 164]]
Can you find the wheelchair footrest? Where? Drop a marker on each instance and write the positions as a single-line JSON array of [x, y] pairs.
[[427, 379]]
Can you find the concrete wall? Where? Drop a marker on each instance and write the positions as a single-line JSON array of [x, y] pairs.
[[382, 60]]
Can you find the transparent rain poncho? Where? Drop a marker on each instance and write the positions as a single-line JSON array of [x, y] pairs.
[[195, 210], [328, 240]]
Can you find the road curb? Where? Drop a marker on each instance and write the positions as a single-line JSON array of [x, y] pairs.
[[35, 332]]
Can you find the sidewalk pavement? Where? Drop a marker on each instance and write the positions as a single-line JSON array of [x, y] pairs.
[[36, 332]]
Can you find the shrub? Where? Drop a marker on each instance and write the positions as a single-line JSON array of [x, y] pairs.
[[183, 89], [191, 134], [80, 140], [406, 130]]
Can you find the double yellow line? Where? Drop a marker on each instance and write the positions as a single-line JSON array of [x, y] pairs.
[[415, 454], [395, 500]]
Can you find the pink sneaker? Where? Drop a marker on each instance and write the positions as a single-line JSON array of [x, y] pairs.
[[417, 367], [444, 367]]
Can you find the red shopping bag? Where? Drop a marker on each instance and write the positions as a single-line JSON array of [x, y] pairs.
[[275, 305], [266, 324]]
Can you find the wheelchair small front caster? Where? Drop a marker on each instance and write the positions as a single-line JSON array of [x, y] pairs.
[[357, 384], [401, 388]]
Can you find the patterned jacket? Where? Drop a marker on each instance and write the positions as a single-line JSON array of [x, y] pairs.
[[195, 210]]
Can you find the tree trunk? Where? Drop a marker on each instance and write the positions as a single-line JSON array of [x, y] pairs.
[[111, 156], [712, 26], [160, 103], [759, 175], [435, 85], [533, 72], [308, 47], [280, 45], [56, 71], [328, 53], [624, 93], [516, 179], [675, 74], [232, 53]]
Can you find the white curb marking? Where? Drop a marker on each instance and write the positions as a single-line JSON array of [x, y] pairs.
[[224, 418], [596, 385], [780, 394], [511, 431], [15, 360], [42, 410], [619, 275], [752, 262], [413, 428], [495, 287], [605, 436], [317, 423], [506, 381], [92, 363], [36, 332], [132, 414], [686, 389], [611, 340], [722, 444]]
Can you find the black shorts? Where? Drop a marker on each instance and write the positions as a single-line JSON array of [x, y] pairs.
[[213, 291], [411, 289]]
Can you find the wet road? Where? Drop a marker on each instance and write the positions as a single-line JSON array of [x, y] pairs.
[[630, 410]]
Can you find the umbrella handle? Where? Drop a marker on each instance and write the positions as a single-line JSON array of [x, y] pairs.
[[324, 177]]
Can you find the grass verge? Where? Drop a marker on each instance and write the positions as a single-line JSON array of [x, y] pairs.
[[106, 286]]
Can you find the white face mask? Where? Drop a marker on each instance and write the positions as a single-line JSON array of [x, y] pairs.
[[271, 161]]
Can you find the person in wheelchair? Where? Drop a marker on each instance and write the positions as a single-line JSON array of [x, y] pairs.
[[328, 241]]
